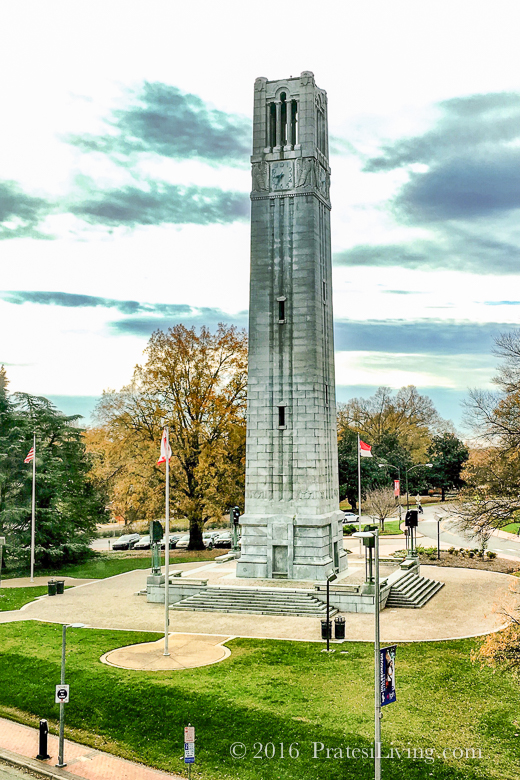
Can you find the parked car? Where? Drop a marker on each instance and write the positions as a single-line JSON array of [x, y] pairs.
[[183, 543], [174, 538], [209, 539], [350, 517], [143, 543], [225, 539], [126, 542]]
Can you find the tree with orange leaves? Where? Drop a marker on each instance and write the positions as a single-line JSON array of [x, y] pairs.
[[196, 383]]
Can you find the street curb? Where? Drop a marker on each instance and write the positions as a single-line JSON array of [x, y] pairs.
[[45, 770]]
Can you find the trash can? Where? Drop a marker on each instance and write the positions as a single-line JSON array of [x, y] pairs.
[[324, 629], [60, 587], [51, 588], [339, 628]]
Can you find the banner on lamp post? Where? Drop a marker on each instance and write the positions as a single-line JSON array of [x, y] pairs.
[[387, 674], [397, 488]]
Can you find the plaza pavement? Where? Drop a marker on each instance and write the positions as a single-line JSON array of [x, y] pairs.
[[464, 607]]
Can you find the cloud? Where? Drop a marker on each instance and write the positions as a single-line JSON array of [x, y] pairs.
[[163, 120], [142, 318], [437, 337], [451, 248], [20, 213], [476, 122], [162, 203], [72, 300], [207, 316], [468, 187]]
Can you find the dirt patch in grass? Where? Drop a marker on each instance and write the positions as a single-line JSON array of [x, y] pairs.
[[500, 565]]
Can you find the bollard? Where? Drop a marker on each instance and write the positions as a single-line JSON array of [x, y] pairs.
[[44, 731]]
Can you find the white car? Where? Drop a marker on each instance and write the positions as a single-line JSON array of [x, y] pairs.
[[183, 542], [350, 517]]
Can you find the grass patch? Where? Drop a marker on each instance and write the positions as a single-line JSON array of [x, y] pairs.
[[270, 692], [108, 564], [512, 528], [15, 598], [391, 527]]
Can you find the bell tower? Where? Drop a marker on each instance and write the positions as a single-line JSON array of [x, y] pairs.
[[291, 527]]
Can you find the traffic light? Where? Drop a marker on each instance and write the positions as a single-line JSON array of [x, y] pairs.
[[234, 515], [156, 531], [412, 518]]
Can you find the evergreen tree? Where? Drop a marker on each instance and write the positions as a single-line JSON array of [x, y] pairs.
[[67, 505]]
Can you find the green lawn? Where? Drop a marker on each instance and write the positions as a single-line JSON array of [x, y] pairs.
[[110, 563], [271, 693], [512, 528], [14, 598], [391, 527]]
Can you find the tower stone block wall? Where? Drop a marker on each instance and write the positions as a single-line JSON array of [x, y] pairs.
[[292, 526]]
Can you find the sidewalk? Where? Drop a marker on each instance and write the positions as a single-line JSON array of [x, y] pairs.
[[19, 746]]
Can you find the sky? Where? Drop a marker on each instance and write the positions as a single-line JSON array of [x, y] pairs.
[[125, 179]]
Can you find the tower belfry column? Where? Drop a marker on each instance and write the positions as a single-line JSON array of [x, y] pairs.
[[292, 525]]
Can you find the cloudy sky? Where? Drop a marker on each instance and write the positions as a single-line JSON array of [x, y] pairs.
[[124, 182]]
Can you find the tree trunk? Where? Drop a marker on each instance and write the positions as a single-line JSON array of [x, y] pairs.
[[196, 542], [443, 496]]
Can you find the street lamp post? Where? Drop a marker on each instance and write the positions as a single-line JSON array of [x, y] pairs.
[[417, 465], [377, 666], [61, 741]]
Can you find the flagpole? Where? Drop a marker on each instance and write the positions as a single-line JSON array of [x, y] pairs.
[[359, 487], [33, 523], [167, 546]]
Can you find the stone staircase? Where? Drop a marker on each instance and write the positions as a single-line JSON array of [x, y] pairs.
[[256, 601], [412, 592]]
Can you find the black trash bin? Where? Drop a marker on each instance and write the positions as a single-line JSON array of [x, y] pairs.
[[339, 628], [324, 629], [51, 588], [60, 587]]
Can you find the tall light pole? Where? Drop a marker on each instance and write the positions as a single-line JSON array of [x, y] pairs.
[[418, 465], [386, 465], [377, 653], [61, 741]]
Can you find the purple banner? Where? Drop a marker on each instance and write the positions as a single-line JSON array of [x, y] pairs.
[[387, 674]]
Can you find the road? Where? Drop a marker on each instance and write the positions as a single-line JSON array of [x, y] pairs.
[[8, 772], [450, 535]]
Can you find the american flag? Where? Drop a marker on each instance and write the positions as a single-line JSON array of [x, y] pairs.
[[30, 456]]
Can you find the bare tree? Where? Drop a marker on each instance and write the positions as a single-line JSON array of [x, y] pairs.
[[380, 503]]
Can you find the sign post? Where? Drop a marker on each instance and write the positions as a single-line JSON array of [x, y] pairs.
[[189, 747], [2, 543]]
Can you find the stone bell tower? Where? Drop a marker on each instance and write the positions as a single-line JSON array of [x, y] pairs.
[[291, 527]]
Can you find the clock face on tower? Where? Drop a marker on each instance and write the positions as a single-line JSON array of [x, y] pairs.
[[282, 175]]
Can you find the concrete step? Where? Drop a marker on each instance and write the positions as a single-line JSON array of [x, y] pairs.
[[413, 592], [255, 602]]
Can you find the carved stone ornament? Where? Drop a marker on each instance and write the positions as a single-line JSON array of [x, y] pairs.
[[260, 84], [306, 78], [260, 176], [306, 172]]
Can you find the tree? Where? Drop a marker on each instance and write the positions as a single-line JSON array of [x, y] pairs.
[[400, 427], [448, 454], [503, 647], [197, 383], [408, 416], [67, 504], [380, 503], [491, 497]]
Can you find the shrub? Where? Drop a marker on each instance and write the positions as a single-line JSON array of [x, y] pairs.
[[349, 529], [491, 554]]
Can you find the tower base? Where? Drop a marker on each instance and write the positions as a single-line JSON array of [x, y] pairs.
[[298, 547]]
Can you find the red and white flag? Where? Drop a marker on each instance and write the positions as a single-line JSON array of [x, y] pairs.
[[365, 450], [166, 451], [30, 456]]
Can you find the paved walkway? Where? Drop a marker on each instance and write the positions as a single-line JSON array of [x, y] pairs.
[[19, 746], [186, 651], [463, 608]]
